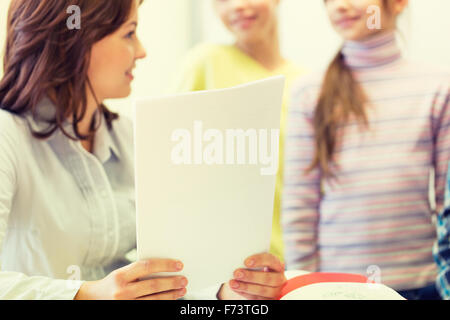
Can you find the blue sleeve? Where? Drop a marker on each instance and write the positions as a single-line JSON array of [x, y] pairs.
[[441, 249]]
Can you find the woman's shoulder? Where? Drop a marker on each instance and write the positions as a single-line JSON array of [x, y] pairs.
[[197, 64], [211, 54], [204, 51], [14, 134], [11, 125], [293, 69], [308, 81], [306, 88], [427, 73]]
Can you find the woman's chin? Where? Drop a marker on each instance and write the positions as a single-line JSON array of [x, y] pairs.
[[356, 33], [249, 38], [120, 94]]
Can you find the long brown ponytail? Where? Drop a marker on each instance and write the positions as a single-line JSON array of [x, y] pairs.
[[340, 97]]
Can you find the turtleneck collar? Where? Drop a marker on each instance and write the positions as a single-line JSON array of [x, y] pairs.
[[379, 50]]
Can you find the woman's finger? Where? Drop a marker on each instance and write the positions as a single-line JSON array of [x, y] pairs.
[[144, 268], [170, 295], [255, 289], [154, 286], [272, 279], [264, 260]]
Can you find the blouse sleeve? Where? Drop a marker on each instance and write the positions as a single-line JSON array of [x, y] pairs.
[[15, 285]]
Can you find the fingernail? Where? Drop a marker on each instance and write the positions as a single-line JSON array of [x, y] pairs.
[[239, 274], [184, 282], [234, 284], [182, 292], [179, 266], [250, 262]]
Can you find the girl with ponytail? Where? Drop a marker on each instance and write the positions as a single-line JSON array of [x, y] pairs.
[[362, 140]]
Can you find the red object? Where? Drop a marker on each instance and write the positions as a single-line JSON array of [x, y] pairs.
[[319, 277]]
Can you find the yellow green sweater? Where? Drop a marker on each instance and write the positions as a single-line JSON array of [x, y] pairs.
[[210, 66]]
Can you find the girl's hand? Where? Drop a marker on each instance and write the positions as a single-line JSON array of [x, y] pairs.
[[125, 283], [265, 283]]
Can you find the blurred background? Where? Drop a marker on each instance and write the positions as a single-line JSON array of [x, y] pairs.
[[169, 28]]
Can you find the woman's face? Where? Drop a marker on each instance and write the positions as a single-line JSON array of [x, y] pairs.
[[113, 59], [249, 20], [357, 19]]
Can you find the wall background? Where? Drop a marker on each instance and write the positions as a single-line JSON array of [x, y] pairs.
[[168, 28]]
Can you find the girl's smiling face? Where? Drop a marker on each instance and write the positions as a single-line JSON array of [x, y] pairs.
[[113, 59], [249, 20], [350, 17]]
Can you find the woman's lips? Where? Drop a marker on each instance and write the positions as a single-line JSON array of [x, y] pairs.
[[244, 22], [129, 75], [346, 22]]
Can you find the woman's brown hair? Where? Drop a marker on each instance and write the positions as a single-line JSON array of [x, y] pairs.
[[44, 57], [341, 98]]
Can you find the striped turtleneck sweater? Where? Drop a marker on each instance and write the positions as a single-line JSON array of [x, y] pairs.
[[375, 218]]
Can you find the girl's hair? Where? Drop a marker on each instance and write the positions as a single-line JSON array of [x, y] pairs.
[[43, 57], [340, 99]]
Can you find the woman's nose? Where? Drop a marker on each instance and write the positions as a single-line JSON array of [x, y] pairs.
[[239, 4], [141, 53]]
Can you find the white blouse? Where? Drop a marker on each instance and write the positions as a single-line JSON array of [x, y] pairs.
[[65, 214]]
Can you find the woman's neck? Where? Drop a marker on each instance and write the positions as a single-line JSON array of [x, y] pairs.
[[266, 52], [85, 125], [378, 50]]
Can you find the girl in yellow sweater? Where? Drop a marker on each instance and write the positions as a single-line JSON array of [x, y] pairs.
[[254, 55]]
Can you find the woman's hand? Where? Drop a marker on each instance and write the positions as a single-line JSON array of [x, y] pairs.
[[262, 284], [125, 283]]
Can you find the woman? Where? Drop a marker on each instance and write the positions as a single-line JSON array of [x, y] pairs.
[[66, 162], [255, 54], [363, 138]]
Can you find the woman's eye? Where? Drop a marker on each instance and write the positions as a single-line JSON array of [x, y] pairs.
[[130, 35]]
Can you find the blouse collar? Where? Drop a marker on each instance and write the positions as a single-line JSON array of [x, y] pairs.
[[104, 144]]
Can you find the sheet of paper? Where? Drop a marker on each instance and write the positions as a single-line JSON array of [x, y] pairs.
[[206, 166], [343, 291]]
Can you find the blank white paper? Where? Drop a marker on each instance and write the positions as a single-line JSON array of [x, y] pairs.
[[208, 214]]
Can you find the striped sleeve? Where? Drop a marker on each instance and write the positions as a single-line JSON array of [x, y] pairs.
[[301, 190], [441, 130]]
